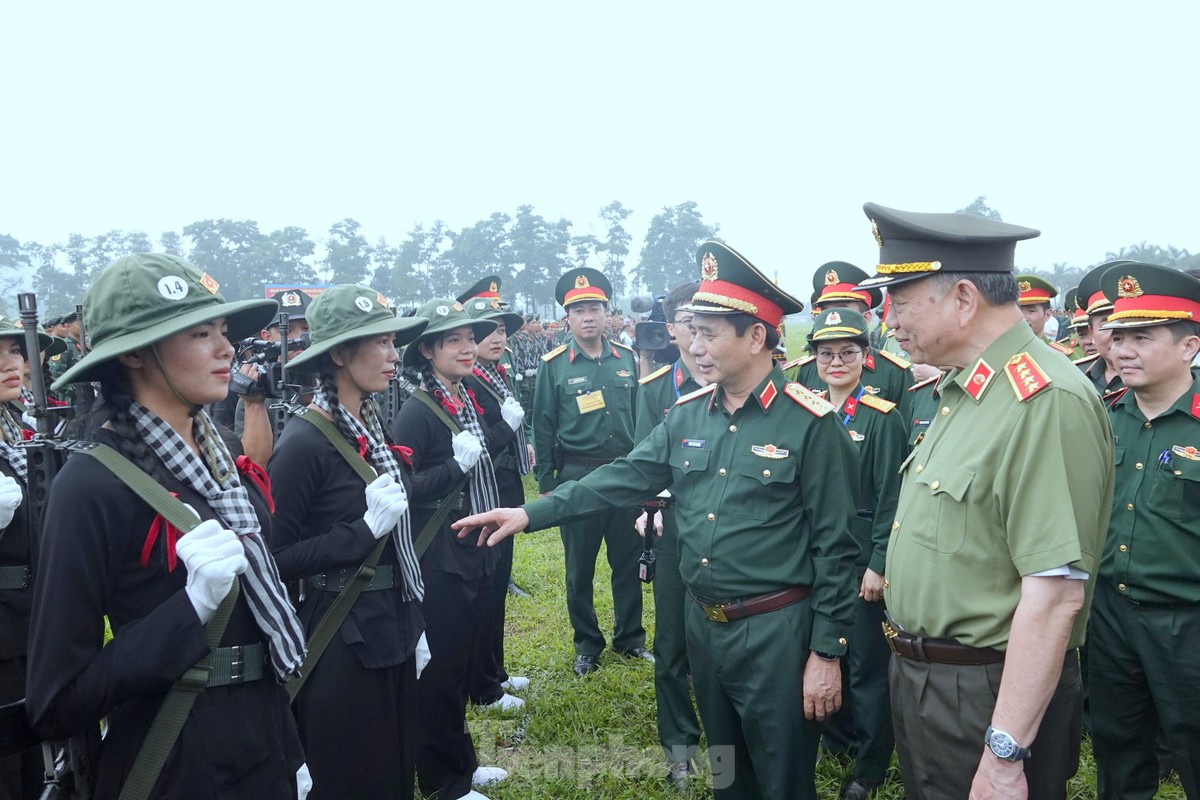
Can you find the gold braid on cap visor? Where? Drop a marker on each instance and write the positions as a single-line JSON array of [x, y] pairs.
[[1147, 313], [915, 266], [728, 302]]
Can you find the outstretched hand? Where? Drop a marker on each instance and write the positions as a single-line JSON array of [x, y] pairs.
[[495, 525]]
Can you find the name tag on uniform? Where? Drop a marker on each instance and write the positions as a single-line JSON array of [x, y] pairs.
[[592, 401], [697, 444], [574, 381]]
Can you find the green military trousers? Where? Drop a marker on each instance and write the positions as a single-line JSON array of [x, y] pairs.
[[865, 686], [678, 729], [581, 545], [748, 677]]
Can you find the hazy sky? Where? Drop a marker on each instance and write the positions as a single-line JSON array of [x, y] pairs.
[[779, 119]]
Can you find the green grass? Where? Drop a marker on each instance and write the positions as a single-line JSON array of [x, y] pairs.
[[594, 738]]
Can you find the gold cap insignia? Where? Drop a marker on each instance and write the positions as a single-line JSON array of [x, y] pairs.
[[834, 318], [379, 298], [290, 300], [708, 267], [458, 307], [875, 233], [581, 282], [831, 278], [1129, 287], [18, 323], [493, 287], [1024, 286]]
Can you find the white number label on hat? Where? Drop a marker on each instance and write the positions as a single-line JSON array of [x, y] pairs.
[[363, 303], [442, 310], [172, 287]]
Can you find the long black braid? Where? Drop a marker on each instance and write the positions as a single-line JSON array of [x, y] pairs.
[[118, 397], [329, 386]]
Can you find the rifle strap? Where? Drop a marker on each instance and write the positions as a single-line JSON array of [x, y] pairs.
[[332, 620], [177, 705], [438, 411]]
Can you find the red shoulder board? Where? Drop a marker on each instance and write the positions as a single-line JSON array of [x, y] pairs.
[[712, 387], [1111, 398], [1196, 406], [807, 399], [1026, 376], [981, 378], [1066, 350]]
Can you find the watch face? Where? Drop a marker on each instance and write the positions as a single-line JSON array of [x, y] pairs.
[[1003, 745]]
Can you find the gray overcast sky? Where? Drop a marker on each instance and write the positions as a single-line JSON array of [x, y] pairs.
[[779, 119]]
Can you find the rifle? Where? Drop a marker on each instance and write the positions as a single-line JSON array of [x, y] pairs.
[[68, 765], [83, 342]]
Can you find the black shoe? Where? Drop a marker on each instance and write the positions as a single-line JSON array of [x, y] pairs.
[[517, 591], [856, 790], [678, 773], [585, 665], [637, 652]]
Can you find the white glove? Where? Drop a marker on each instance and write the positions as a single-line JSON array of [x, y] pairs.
[[467, 450], [213, 557], [386, 504], [303, 782], [422, 655], [512, 412], [10, 499]]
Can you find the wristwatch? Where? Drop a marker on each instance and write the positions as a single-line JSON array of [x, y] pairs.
[[1004, 746]]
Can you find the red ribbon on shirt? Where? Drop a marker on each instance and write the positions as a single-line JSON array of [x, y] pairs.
[[172, 536], [258, 476], [405, 453], [474, 402]]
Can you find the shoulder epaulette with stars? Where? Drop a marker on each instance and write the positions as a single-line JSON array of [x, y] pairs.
[[877, 403], [798, 362], [1083, 362], [924, 383], [1026, 376], [656, 374], [807, 399], [712, 387], [895, 359], [558, 351], [1066, 350], [621, 345]]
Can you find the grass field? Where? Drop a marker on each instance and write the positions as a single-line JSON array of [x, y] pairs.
[[594, 738]]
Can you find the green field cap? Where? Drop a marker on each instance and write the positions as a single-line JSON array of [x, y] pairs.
[[444, 314], [13, 327], [346, 312]]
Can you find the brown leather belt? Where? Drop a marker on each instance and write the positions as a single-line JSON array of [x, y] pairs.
[[750, 606], [590, 463], [937, 651]]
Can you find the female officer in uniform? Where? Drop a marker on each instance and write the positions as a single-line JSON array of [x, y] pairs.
[[161, 351], [839, 340], [355, 710]]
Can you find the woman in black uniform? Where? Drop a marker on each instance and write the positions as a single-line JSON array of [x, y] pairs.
[[355, 710], [457, 574], [160, 351]]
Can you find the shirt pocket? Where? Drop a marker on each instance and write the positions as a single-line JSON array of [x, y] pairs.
[[688, 461], [766, 484], [939, 520], [1175, 489]]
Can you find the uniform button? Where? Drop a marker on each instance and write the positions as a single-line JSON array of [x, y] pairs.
[[895, 526], [766, 473], [606, 414], [722, 472], [1178, 472], [733, 428], [842, 641], [945, 410], [1122, 586], [1147, 425], [920, 469], [704, 562], [1124, 548], [1138, 465], [935, 485], [1129, 506], [687, 464], [711, 517]]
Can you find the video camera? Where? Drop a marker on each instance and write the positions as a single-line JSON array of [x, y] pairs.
[[265, 355], [652, 334]]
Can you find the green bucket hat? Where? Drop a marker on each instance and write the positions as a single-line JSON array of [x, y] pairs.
[[346, 312], [147, 297], [482, 308], [13, 327], [444, 314]]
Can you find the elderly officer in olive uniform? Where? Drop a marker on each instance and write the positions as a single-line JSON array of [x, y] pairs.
[[678, 729], [1000, 522], [885, 375], [583, 407], [764, 476], [1144, 637]]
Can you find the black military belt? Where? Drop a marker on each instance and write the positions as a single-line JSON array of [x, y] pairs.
[[336, 580], [506, 461], [14, 577], [590, 463], [750, 606], [937, 651], [657, 503], [238, 664], [433, 505]]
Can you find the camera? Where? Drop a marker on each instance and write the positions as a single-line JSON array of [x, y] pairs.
[[265, 355]]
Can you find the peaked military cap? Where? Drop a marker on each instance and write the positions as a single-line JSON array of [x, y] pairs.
[[292, 302], [582, 283], [487, 288], [838, 280], [730, 284], [1091, 296], [482, 306], [1147, 294], [839, 323], [1078, 314], [915, 245], [68, 318], [1033, 290]]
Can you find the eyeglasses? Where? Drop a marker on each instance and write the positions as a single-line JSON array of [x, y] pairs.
[[847, 356]]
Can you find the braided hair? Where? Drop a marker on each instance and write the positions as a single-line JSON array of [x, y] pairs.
[[118, 397]]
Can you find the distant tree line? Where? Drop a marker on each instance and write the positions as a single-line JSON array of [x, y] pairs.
[[528, 251]]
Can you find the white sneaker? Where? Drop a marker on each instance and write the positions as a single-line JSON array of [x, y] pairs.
[[488, 776], [474, 795], [507, 703], [515, 684]]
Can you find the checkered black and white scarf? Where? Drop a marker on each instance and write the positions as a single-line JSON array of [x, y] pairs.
[[484, 494], [381, 456], [10, 448], [491, 375], [228, 499]]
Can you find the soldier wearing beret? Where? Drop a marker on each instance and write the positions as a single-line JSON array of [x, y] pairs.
[[765, 546], [999, 525], [1144, 636], [583, 410]]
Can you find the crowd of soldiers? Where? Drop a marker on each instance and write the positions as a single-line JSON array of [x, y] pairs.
[[935, 534]]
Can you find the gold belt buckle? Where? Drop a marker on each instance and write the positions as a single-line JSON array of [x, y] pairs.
[[715, 613], [891, 634]]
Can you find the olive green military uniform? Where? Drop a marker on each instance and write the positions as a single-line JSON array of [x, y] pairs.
[[585, 406], [754, 517], [887, 374], [678, 729], [62, 362], [1013, 478]]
